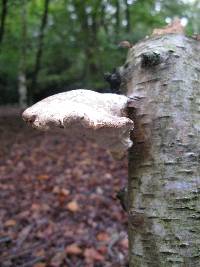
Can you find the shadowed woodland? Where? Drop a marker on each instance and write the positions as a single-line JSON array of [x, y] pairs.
[[58, 198], [50, 46]]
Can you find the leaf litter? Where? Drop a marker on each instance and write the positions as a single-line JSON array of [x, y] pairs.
[[58, 203]]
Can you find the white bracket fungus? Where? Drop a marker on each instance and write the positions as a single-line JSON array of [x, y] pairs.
[[84, 113]]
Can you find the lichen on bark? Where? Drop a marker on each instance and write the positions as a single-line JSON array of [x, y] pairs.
[[164, 162]]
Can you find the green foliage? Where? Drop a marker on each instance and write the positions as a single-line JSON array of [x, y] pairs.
[[80, 40]]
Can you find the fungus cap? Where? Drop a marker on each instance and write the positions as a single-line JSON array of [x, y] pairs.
[[85, 113]]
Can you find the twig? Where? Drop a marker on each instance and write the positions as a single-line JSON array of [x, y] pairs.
[[23, 236], [68, 262], [31, 263], [28, 250]]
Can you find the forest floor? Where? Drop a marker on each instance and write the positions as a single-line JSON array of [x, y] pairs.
[[58, 203]]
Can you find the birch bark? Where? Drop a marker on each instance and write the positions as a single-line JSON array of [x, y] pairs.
[[162, 74]]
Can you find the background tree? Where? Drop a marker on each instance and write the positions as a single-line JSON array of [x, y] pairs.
[[39, 47], [4, 6], [70, 44], [22, 89]]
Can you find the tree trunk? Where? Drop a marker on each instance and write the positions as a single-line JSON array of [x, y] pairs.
[[103, 22], [89, 36], [22, 89], [22, 83], [128, 17], [117, 17], [40, 47], [162, 75], [3, 18]]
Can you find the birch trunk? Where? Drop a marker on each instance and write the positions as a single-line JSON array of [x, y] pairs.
[[22, 82], [22, 90], [163, 75], [39, 52]]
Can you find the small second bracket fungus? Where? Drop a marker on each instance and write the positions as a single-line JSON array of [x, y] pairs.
[[84, 113]]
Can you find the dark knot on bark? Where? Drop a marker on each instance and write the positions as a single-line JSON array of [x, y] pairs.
[[150, 59]]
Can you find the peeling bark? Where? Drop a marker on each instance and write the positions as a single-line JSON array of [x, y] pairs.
[[164, 162]]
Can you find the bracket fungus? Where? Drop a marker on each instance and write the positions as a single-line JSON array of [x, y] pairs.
[[85, 113]]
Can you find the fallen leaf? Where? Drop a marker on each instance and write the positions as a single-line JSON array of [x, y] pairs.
[[35, 207], [45, 207], [73, 206], [92, 254], [23, 214], [64, 191], [43, 177], [103, 236], [73, 249], [40, 253], [99, 190], [10, 223], [103, 249], [56, 189], [42, 264]]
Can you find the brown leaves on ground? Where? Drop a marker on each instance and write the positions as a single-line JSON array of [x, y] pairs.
[[73, 206], [43, 177], [10, 223], [40, 265], [73, 249], [103, 237], [58, 205], [92, 255], [174, 27]]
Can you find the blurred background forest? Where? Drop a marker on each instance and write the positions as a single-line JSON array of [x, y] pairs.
[[49, 46]]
